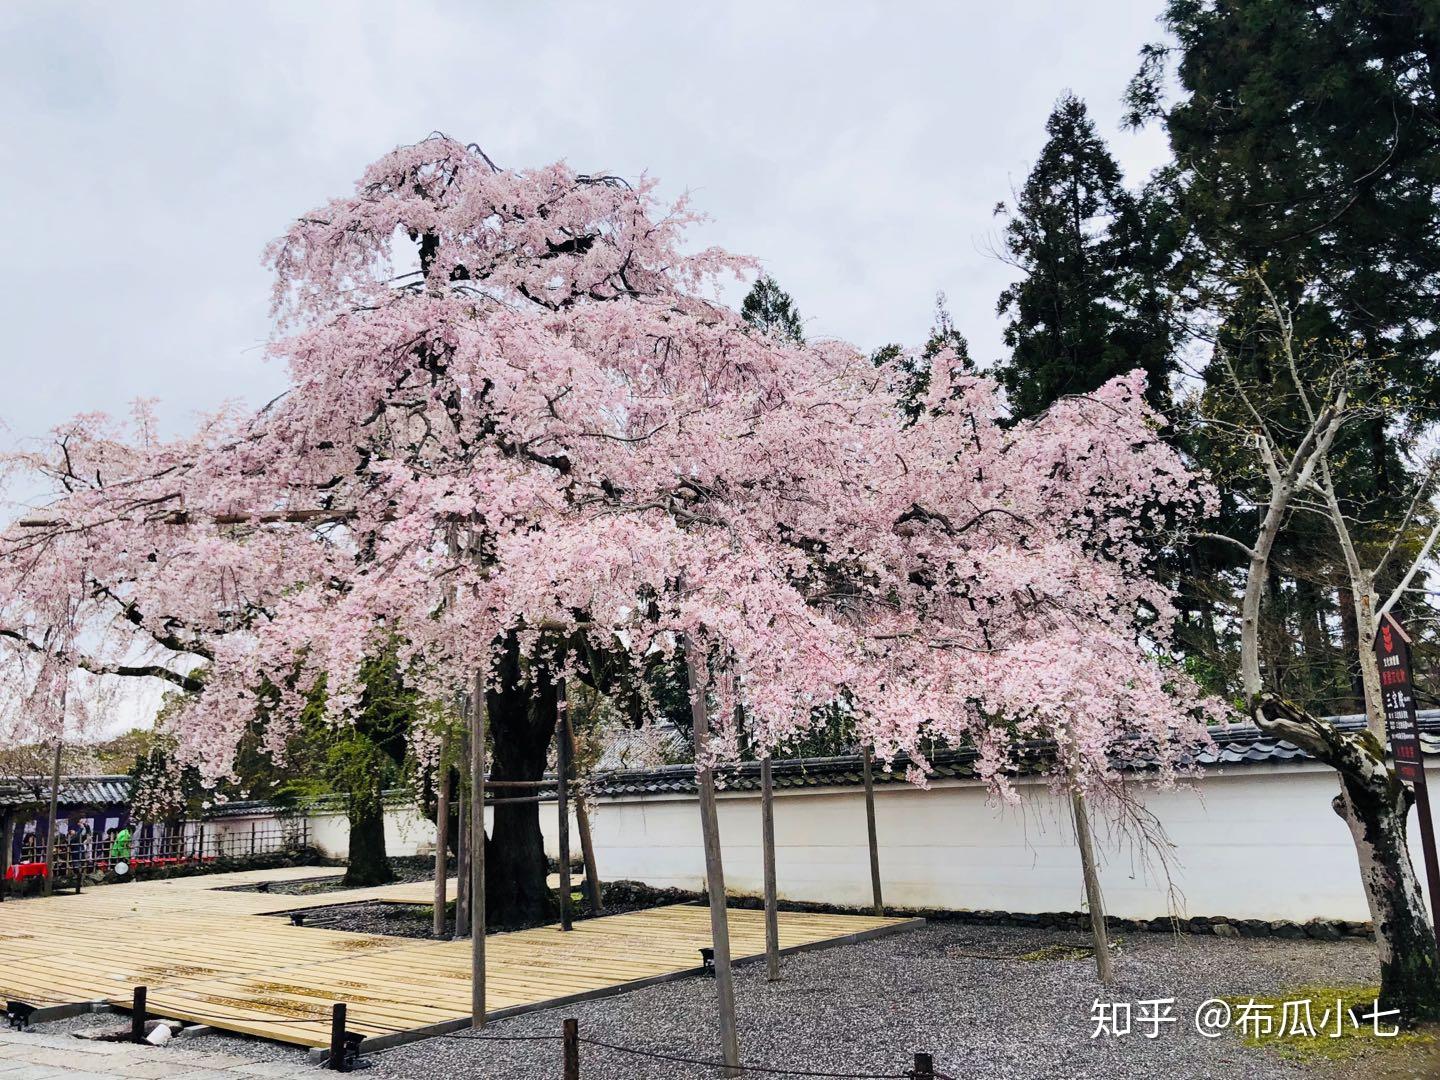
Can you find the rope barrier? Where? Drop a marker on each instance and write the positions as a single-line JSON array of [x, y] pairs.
[[774, 1070], [656, 1055]]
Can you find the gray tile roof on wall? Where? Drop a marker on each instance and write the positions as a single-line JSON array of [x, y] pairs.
[[75, 791], [1237, 744]]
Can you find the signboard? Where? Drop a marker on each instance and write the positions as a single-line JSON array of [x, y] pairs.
[[1392, 652]]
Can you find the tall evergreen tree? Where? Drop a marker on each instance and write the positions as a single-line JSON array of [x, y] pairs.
[[1306, 140], [768, 308], [945, 344], [1090, 305]]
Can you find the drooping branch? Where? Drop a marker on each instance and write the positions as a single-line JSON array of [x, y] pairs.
[[154, 671]]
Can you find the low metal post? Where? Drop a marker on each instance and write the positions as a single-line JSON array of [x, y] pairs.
[[924, 1068], [337, 1037], [572, 1049], [137, 1015]]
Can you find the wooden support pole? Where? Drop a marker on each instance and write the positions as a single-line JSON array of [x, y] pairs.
[[337, 1038], [587, 844], [7, 845], [867, 768], [562, 801], [767, 837], [571, 1028], [1093, 898], [714, 870], [478, 707], [137, 1014], [462, 843], [442, 834], [50, 867]]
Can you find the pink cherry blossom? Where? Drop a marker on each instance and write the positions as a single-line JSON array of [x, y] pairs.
[[548, 430]]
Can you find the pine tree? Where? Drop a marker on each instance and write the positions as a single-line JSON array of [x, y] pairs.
[[769, 309], [1090, 305], [944, 341]]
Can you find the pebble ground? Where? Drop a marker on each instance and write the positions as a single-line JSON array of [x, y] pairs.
[[956, 991]]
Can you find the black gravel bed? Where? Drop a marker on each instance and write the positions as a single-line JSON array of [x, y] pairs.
[[406, 869], [375, 917], [417, 920], [959, 992]]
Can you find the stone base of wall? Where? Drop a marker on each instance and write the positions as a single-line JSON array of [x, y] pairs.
[[1218, 925]]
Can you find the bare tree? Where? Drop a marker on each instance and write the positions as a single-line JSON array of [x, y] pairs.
[[1373, 801]]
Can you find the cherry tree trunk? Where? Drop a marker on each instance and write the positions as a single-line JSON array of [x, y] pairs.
[[369, 864], [522, 723], [1377, 808]]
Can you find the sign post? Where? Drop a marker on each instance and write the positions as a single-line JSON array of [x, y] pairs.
[[1397, 695]]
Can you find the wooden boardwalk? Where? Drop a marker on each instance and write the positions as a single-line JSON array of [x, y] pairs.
[[209, 955]]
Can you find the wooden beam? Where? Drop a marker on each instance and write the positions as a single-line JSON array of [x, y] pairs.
[[462, 839], [714, 870], [50, 866], [7, 843], [562, 801], [767, 836], [869, 775], [442, 833], [478, 709], [587, 843], [1093, 898]]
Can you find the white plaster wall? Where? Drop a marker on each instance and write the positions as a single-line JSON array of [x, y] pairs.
[[1256, 841], [408, 833]]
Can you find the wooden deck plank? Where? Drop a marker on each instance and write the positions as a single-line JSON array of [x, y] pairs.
[[213, 954]]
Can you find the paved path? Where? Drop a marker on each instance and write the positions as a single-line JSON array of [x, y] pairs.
[[27, 1056]]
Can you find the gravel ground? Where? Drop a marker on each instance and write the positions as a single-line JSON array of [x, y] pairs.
[[867, 1008]]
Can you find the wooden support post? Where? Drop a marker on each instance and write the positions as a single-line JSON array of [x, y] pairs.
[[478, 707], [582, 822], [1427, 845], [714, 870], [767, 838], [137, 1015], [867, 768], [571, 1027], [337, 1038], [562, 802], [50, 866], [442, 834], [7, 845], [462, 843], [1093, 898]]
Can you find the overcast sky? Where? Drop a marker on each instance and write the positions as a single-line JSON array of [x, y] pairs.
[[151, 150]]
